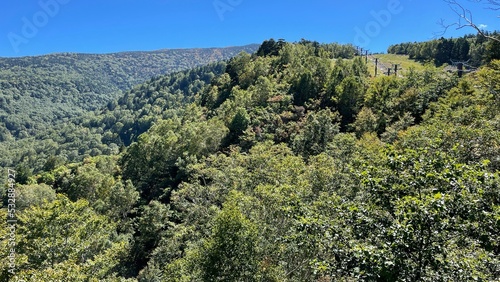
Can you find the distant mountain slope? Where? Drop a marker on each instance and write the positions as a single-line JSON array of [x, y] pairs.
[[117, 124], [41, 90]]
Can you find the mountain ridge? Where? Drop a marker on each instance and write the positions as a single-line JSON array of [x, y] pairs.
[[40, 90], [250, 45]]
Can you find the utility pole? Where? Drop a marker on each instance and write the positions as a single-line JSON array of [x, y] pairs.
[[395, 66], [366, 59], [460, 67], [376, 66]]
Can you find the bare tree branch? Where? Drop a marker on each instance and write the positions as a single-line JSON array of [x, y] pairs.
[[495, 5], [465, 17]]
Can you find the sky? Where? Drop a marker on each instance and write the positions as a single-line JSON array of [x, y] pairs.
[[37, 27]]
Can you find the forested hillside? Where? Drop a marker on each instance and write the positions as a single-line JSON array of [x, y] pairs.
[[116, 125], [39, 91], [474, 50], [291, 164]]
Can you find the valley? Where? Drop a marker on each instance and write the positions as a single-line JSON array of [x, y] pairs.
[[290, 161]]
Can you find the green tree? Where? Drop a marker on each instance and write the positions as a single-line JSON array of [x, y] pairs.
[[304, 89], [492, 50], [270, 47], [154, 162], [96, 180], [229, 254], [33, 195], [319, 129], [366, 121], [152, 224], [239, 123], [460, 51], [351, 98], [61, 239]]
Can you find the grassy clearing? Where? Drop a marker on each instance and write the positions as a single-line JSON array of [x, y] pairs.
[[389, 60]]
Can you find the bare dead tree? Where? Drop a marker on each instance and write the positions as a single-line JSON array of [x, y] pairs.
[[465, 18]]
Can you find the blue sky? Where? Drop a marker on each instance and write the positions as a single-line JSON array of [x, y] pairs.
[[35, 27]]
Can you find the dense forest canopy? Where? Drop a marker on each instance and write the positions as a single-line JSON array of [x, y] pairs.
[[115, 125], [475, 50], [290, 164], [42, 90]]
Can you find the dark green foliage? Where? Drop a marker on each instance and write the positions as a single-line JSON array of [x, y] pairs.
[[182, 141], [270, 47], [493, 50], [23, 174], [230, 253], [152, 225], [64, 240], [444, 52], [319, 129], [346, 89], [291, 165], [43, 90], [474, 49], [304, 89], [105, 131], [235, 68], [98, 181], [461, 48], [239, 124]]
